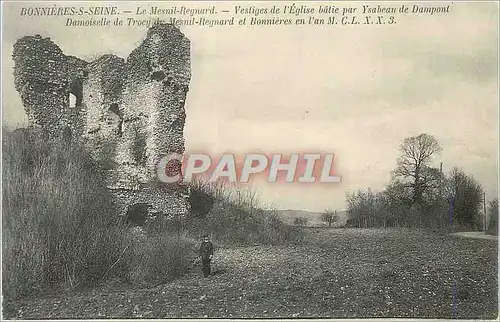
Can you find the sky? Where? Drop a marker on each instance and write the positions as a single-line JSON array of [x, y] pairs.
[[353, 91]]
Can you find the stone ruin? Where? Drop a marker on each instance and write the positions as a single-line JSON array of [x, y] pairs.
[[128, 113]]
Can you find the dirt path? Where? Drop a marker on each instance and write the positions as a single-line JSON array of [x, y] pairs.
[[475, 235], [335, 273]]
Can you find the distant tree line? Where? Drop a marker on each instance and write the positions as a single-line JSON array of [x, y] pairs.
[[418, 194]]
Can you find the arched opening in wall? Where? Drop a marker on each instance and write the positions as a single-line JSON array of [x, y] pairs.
[[72, 100], [137, 214], [158, 75], [76, 91]]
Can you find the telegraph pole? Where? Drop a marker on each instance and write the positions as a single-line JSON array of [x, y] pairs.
[[440, 191], [441, 180], [484, 211]]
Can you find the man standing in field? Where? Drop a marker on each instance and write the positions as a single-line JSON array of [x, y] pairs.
[[206, 253]]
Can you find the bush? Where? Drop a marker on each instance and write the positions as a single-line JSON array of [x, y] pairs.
[[467, 198], [157, 258], [329, 217], [237, 217], [59, 223], [453, 206], [366, 209], [300, 221], [369, 209], [201, 198]]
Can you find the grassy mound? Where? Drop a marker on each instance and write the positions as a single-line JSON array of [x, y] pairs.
[[235, 216]]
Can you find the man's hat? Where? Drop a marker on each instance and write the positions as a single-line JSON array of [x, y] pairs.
[[205, 236]]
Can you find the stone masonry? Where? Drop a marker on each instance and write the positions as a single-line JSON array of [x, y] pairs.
[[128, 113]]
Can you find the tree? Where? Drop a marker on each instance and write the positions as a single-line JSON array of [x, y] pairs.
[[467, 198], [361, 203], [413, 169], [493, 214], [300, 221], [365, 208], [329, 217]]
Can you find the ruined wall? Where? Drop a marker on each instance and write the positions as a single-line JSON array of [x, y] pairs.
[[41, 78], [102, 95], [158, 75], [128, 113], [173, 205]]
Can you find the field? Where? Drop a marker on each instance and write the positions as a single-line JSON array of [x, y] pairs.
[[333, 273]]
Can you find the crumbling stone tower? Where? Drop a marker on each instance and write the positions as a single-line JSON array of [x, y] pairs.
[[129, 113]]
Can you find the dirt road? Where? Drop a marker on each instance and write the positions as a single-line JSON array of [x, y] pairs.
[[334, 273], [475, 235]]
